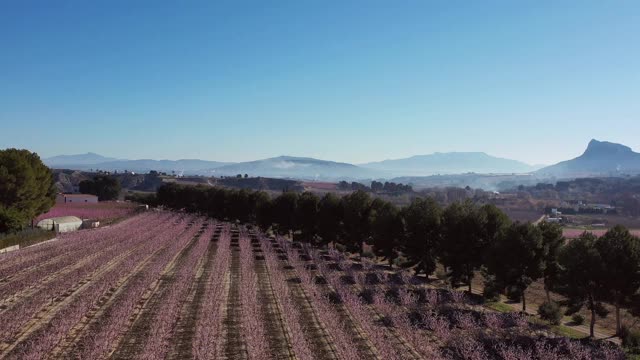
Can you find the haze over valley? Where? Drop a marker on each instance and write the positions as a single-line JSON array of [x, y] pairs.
[[600, 158]]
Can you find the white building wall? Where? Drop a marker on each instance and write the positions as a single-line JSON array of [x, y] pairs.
[[68, 227], [76, 199]]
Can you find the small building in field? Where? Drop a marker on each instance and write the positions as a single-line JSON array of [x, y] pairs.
[[76, 199], [90, 224], [61, 224]]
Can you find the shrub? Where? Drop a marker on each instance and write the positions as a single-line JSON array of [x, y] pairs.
[[25, 237], [142, 198], [11, 220], [630, 339], [402, 262], [368, 254], [491, 291], [550, 311], [577, 319], [442, 274], [514, 294]]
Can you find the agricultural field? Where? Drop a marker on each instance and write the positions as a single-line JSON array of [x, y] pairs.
[[166, 285], [572, 233], [105, 211]]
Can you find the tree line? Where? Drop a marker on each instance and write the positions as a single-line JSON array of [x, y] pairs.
[[376, 187], [105, 187], [463, 237]]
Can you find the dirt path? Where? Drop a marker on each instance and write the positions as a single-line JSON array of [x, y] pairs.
[[277, 332], [325, 341], [186, 326], [401, 345], [315, 330], [132, 342], [540, 219], [365, 346], [234, 347]]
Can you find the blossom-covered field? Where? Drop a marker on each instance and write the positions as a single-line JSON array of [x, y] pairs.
[[164, 285], [574, 233], [103, 211]]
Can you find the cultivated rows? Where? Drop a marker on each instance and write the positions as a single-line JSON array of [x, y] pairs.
[[165, 285]]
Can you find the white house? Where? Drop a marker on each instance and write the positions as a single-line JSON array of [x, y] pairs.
[[76, 198]]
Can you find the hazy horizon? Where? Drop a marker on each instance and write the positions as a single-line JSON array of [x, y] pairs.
[[294, 155], [349, 81]]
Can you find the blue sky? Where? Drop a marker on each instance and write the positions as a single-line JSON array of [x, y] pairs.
[[350, 81]]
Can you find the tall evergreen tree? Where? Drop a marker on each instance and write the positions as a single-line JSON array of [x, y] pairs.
[[356, 219], [257, 199], [329, 220], [517, 258], [422, 220], [620, 253], [284, 212], [386, 229], [553, 242], [26, 188], [463, 242], [495, 223], [306, 215], [581, 279]]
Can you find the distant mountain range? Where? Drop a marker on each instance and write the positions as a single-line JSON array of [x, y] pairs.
[[94, 161], [298, 168], [451, 163], [87, 159], [600, 159], [303, 167]]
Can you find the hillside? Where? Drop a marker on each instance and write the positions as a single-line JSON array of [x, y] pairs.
[[79, 160], [601, 158], [94, 161], [298, 167], [450, 163]]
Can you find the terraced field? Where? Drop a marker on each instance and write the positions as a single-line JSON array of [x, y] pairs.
[[167, 285]]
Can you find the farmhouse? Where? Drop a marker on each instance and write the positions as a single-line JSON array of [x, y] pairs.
[[76, 198]]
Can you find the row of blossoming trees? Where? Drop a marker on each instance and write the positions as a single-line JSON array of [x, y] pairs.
[[464, 237]]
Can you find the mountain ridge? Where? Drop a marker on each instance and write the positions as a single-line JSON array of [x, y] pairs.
[[298, 167], [599, 158], [285, 166], [95, 161], [450, 163]]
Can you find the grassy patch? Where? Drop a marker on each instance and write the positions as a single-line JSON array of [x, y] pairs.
[[500, 307], [567, 331], [561, 330], [632, 356], [25, 237]]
